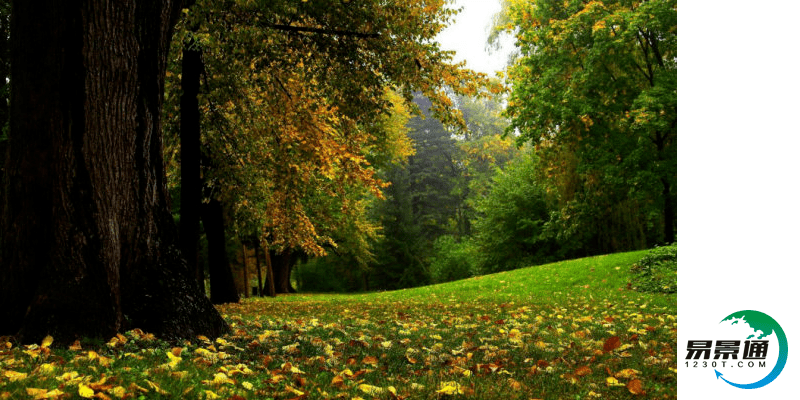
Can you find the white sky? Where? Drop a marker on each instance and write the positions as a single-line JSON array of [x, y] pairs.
[[468, 34]]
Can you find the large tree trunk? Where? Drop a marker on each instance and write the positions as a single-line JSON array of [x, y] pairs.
[[89, 247], [223, 288], [269, 285], [282, 264], [5, 13], [191, 189]]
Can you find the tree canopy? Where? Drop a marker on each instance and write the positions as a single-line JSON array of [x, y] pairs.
[[299, 100], [594, 88]]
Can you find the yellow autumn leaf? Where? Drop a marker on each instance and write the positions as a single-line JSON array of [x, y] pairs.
[[85, 391], [36, 393], [113, 342], [47, 369], [449, 388], [370, 390], [294, 391], [68, 377], [39, 394], [157, 388], [14, 375], [173, 360], [221, 378], [210, 395], [611, 381], [117, 391], [179, 374], [627, 373], [48, 340], [247, 385]]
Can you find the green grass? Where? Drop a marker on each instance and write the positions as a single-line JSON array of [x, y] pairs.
[[569, 330]]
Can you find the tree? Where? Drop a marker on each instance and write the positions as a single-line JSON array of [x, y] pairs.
[[88, 244], [282, 119], [5, 78], [595, 90], [5, 30], [512, 227]]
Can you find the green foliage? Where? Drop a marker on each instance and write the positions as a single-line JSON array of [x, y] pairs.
[[513, 219], [594, 89], [326, 275], [401, 252], [434, 194], [657, 271], [453, 259]]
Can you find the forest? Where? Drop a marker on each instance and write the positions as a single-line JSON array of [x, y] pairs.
[[215, 150]]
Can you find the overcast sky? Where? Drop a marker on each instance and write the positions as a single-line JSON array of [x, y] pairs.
[[468, 34]]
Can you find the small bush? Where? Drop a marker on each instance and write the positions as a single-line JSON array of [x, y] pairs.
[[657, 271]]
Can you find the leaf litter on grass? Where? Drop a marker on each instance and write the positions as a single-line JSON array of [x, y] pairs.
[[349, 347]]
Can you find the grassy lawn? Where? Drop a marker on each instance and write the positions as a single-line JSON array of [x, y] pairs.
[[569, 330]]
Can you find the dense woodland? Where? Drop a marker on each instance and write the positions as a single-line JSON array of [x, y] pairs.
[[237, 148]]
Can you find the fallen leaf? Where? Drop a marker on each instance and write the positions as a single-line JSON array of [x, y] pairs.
[[85, 391], [611, 344], [370, 390], [38, 394], [449, 388], [118, 391], [211, 395], [627, 373], [337, 381], [611, 381], [370, 360], [635, 387], [583, 371], [14, 375], [157, 388]]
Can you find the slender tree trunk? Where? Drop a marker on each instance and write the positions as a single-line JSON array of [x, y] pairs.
[[191, 189], [258, 269], [245, 277], [89, 247], [270, 283], [223, 289], [669, 212]]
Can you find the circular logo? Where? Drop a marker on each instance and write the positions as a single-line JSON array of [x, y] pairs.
[[760, 327]]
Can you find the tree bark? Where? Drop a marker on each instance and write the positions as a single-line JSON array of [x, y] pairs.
[[670, 216], [258, 268], [5, 14], [245, 277], [282, 268], [89, 247], [191, 189], [223, 289], [270, 282]]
